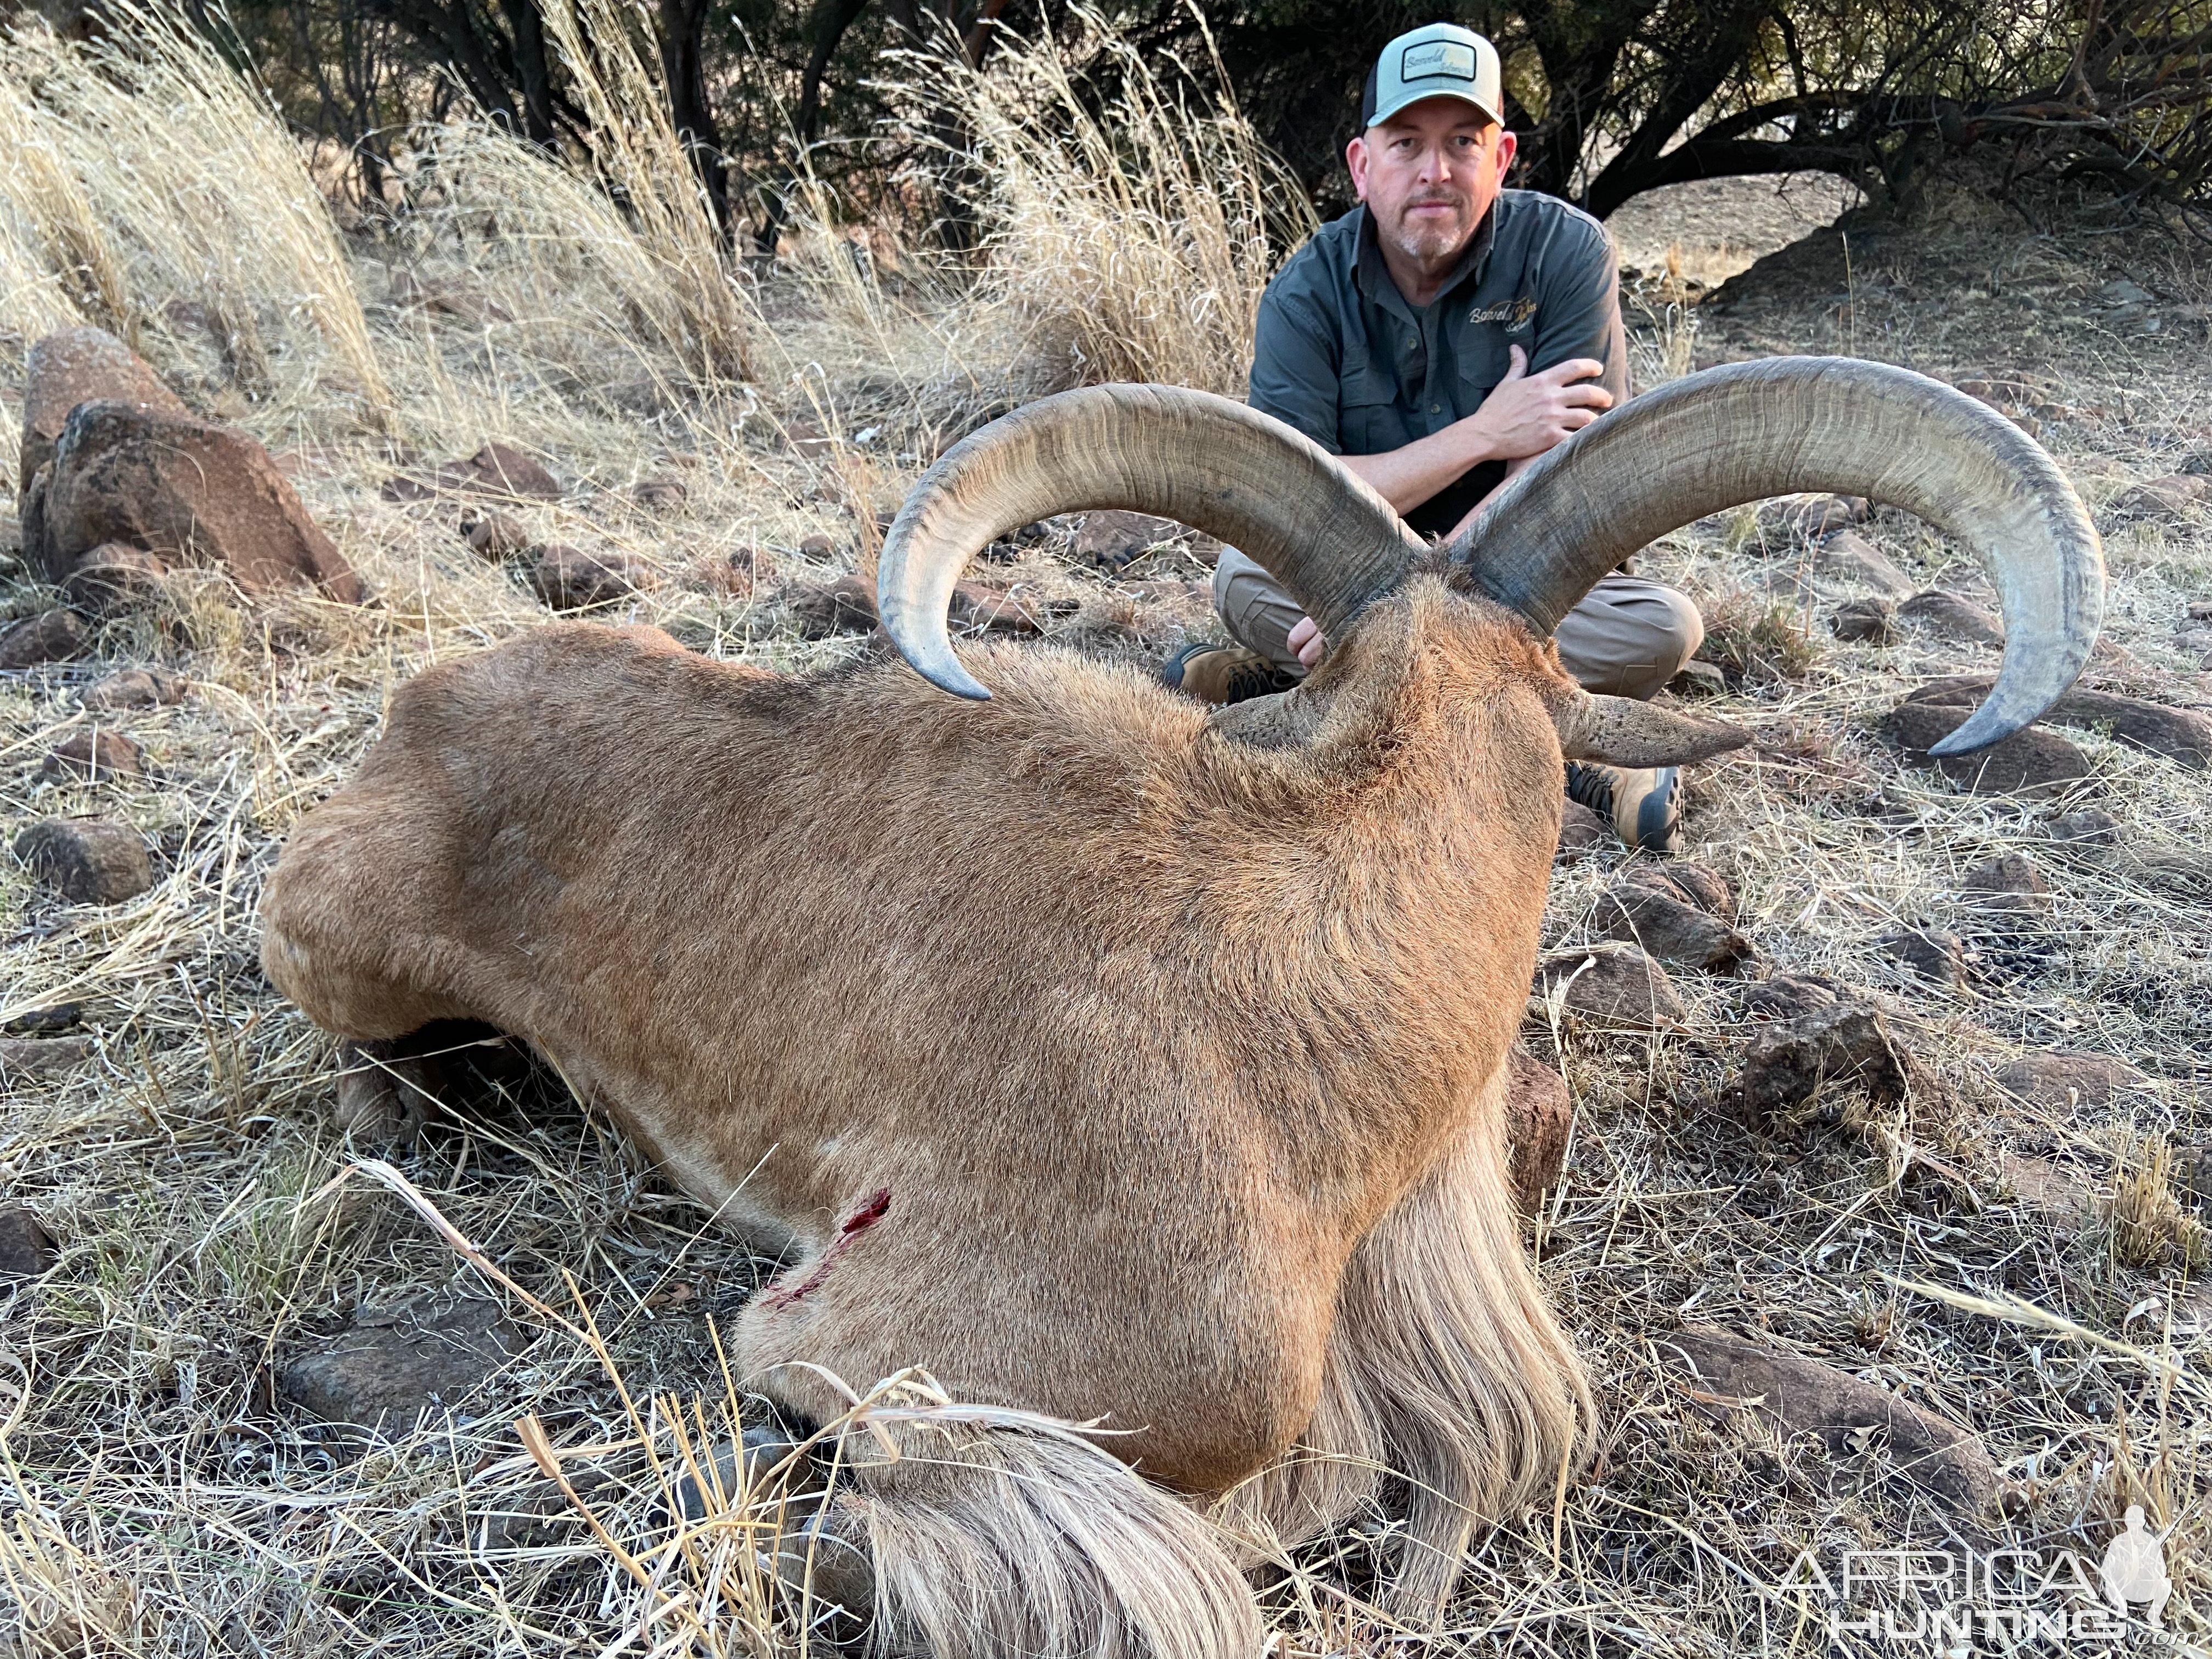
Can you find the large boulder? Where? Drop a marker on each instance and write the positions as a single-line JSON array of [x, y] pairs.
[[76, 365], [186, 490]]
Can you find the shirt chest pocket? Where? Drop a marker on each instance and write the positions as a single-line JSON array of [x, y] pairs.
[[1485, 356], [1368, 418]]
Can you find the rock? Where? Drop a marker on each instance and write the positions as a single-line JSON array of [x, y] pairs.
[[391, 1363], [1865, 622], [1847, 1045], [1936, 956], [2182, 735], [94, 756], [660, 494], [184, 490], [2087, 827], [1581, 830], [805, 439], [50, 636], [1697, 678], [1786, 996], [495, 470], [1808, 517], [89, 861], [2200, 610], [27, 1248], [134, 688], [1706, 888], [847, 605], [1615, 985], [2174, 499], [113, 573], [1948, 617], [2029, 762], [1538, 1121], [2007, 886], [2062, 1080], [24, 1058], [568, 579], [737, 575], [1805, 1396], [819, 548], [493, 535], [44, 1022], [80, 366], [976, 609], [2044, 1185], [1112, 539], [1850, 558], [1651, 911]]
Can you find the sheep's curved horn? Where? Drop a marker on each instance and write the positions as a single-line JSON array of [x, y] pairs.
[[1716, 440], [1190, 456]]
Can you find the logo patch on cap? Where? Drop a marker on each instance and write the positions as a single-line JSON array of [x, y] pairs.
[[1437, 59]]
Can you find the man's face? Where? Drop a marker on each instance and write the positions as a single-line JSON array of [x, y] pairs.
[[1429, 173]]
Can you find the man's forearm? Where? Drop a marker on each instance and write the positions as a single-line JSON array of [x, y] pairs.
[[1405, 477]]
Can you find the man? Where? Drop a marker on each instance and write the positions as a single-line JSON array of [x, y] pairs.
[[1438, 338]]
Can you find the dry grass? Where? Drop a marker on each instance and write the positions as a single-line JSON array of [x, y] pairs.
[[157, 1498]]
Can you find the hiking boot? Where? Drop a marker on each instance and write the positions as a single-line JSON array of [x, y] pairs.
[[1643, 804], [1223, 673]]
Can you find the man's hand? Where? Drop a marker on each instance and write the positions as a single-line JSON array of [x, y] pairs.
[[1307, 640], [1527, 414]]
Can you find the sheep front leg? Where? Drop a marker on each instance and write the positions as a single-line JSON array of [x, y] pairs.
[[384, 1094]]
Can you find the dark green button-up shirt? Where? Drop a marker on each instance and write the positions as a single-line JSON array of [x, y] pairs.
[[1341, 355]]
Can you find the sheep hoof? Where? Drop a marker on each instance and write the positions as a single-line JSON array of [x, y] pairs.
[[383, 1097]]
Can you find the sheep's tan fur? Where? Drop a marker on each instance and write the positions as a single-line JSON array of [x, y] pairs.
[[1106, 1059]]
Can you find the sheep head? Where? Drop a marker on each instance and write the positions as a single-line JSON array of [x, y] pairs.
[[1705, 443]]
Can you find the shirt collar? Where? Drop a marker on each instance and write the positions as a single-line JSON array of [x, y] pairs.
[[1374, 277]]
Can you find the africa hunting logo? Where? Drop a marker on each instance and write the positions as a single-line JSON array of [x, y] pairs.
[[1514, 313], [1959, 1602]]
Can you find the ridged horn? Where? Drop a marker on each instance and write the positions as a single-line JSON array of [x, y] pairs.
[[1202, 460], [1746, 431]]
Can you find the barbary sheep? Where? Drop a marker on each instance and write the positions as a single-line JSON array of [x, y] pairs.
[[1105, 1056]]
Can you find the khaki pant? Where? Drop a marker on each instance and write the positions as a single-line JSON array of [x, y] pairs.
[[1627, 638]]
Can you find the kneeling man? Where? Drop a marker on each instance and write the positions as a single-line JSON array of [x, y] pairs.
[[1437, 337]]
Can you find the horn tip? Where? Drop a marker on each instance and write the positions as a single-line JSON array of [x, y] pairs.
[[949, 676]]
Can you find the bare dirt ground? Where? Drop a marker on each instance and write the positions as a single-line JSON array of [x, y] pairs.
[[2025, 1267]]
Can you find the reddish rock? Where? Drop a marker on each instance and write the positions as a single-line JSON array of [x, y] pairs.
[[848, 605], [1612, 985], [1865, 622], [134, 688], [113, 573], [1948, 617], [24, 1058], [27, 1248], [817, 547], [661, 493], [1786, 996], [2008, 887], [87, 860], [492, 535], [94, 757], [498, 470], [50, 636], [1847, 1045], [390, 1364], [2063, 1080], [566, 578], [2090, 827], [184, 490], [1936, 956], [1539, 1122], [735, 575], [2173, 499], [1653, 913], [2030, 762], [1113, 539], [1581, 830], [2182, 735], [1801, 1396], [78, 366]]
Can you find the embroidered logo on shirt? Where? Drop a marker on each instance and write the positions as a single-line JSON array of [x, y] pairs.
[[1516, 314]]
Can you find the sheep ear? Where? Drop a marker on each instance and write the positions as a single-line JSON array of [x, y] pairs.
[[1622, 732]]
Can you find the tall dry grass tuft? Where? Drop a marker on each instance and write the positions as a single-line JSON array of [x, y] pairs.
[[1139, 240], [144, 170], [639, 157]]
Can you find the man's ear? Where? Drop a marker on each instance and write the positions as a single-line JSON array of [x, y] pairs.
[[1355, 162], [1621, 732]]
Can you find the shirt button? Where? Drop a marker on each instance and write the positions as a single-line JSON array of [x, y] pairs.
[[1435, 408]]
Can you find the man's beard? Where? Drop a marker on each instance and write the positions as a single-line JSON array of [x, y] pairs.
[[1425, 242]]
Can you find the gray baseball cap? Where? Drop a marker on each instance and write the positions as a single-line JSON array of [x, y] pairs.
[[1440, 61]]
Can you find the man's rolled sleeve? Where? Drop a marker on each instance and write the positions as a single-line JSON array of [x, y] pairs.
[[1295, 369], [1578, 312]]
